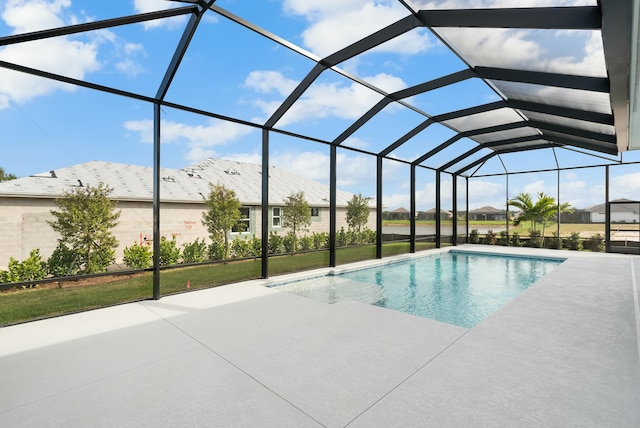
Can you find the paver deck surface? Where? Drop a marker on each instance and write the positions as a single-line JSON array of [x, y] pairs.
[[563, 353]]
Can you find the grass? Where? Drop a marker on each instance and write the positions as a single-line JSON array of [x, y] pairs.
[[24, 305]]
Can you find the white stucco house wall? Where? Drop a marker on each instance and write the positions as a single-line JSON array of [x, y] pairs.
[[25, 203], [626, 212]]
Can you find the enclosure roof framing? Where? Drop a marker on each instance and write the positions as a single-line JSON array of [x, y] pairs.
[[551, 103]]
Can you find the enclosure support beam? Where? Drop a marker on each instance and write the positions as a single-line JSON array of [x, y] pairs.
[[156, 200], [607, 211], [265, 203], [454, 224], [333, 180], [379, 207], [412, 209], [466, 217], [438, 207]]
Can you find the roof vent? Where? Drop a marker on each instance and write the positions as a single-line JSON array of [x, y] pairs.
[[232, 171], [53, 174], [169, 179]]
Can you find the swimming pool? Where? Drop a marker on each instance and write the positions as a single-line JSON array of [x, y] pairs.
[[459, 288]]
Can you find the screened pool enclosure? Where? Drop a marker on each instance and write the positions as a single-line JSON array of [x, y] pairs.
[[446, 106]]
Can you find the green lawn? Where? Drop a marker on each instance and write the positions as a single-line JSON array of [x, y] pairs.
[[24, 305]]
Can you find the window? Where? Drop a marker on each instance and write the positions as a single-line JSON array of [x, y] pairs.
[[276, 220], [244, 224], [315, 212]]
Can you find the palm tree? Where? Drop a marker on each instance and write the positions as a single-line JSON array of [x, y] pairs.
[[542, 211]]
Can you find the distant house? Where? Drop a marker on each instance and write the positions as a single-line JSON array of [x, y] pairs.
[[431, 214], [625, 212], [488, 213], [398, 214], [26, 202]]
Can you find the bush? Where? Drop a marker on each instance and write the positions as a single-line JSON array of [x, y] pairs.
[[276, 243], [503, 239], [474, 238], [256, 246], [342, 239], [515, 240], [306, 243], [241, 248], [215, 250], [194, 252], [553, 242], [573, 242], [490, 238], [169, 251], [594, 243], [320, 240], [289, 242], [30, 269], [368, 236], [64, 261], [535, 239], [138, 256]]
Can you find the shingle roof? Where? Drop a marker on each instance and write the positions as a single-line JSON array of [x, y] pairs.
[[133, 182], [487, 210], [600, 208]]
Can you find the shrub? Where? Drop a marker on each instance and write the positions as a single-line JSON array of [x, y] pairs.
[[169, 251], [138, 256], [474, 238], [241, 248], [573, 242], [64, 261], [276, 243], [342, 238], [215, 250], [368, 236], [594, 243], [320, 240], [289, 242], [30, 269], [490, 238], [515, 240], [194, 252], [553, 242], [504, 238], [306, 243], [535, 239], [256, 246]]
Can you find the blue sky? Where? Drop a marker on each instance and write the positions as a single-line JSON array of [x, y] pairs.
[[232, 71]]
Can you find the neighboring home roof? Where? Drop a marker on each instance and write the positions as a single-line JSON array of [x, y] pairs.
[[401, 210], [600, 208], [133, 182], [487, 210], [433, 211]]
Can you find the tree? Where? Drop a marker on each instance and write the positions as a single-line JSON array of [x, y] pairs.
[[4, 176], [84, 221], [357, 212], [296, 214], [223, 212], [541, 211]]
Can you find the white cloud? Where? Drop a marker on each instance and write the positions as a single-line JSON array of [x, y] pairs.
[[199, 139], [145, 6], [67, 56], [321, 100], [465, 4], [336, 24]]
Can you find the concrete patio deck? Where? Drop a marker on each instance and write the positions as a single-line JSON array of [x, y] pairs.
[[564, 353]]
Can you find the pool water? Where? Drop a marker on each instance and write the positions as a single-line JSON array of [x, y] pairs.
[[458, 288]]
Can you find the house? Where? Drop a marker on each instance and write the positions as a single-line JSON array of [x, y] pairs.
[[622, 211], [488, 213], [431, 215], [25, 203], [398, 214]]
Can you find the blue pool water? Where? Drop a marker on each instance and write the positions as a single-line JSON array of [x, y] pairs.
[[455, 287]]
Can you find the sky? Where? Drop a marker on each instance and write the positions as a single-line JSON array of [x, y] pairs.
[[231, 71]]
